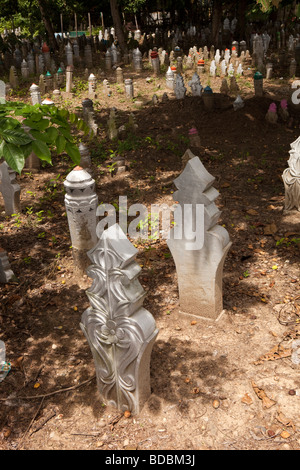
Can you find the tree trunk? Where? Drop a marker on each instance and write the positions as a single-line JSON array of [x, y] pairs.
[[216, 21], [115, 13], [241, 17], [48, 25]]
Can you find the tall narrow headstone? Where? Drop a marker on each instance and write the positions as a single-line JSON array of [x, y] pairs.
[[2, 92], [13, 77], [35, 94], [10, 189], [120, 331], [6, 273], [198, 244], [291, 178], [180, 90], [81, 202], [69, 79], [195, 85]]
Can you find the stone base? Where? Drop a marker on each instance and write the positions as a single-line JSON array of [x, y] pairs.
[[214, 320]]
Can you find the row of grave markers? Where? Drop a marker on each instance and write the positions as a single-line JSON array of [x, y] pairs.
[[120, 332]]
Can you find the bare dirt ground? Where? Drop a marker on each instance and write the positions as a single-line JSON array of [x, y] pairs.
[[230, 385]]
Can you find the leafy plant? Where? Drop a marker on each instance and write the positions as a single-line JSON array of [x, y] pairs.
[[49, 130]]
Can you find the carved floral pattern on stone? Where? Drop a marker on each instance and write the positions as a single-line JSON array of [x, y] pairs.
[[119, 330]]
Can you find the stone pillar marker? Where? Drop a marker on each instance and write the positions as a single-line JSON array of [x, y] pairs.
[[120, 332], [199, 268], [10, 189], [81, 202], [35, 94], [2, 92], [6, 273], [69, 78]]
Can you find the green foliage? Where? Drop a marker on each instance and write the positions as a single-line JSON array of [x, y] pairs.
[[50, 130]]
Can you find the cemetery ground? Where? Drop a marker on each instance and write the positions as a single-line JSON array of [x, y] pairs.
[[226, 385]]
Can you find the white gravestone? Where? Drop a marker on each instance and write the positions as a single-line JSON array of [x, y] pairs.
[[199, 265], [120, 331], [291, 178], [81, 202], [10, 189]]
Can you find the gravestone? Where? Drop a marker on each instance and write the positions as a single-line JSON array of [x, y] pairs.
[[89, 115], [129, 93], [10, 189], [6, 273], [170, 80], [92, 86], [85, 158], [13, 77], [120, 332], [119, 75], [272, 116], [81, 202], [224, 87], [137, 60], [223, 68], [195, 85], [2, 92], [291, 178], [180, 90], [35, 94], [112, 126], [69, 79], [42, 84], [198, 244], [24, 69]]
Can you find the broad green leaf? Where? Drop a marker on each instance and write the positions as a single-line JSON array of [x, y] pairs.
[[73, 118], [41, 150], [38, 125], [63, 114], [73, 152], [8, 123], [66, 133], [52, 134], [38, 135], [14, 156], [60, 144], [17, 137]]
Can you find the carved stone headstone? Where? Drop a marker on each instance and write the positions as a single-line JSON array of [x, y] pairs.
[[180, 90], [199, 265], [6, 273], [10, 189], [120, 332], [291, 178], [195, 85]]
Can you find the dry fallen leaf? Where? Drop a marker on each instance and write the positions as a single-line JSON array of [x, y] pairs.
[[247, 399], [267, 402], [284, 420], [270, 229], [285, 434], [252, 212], [278, 352]]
